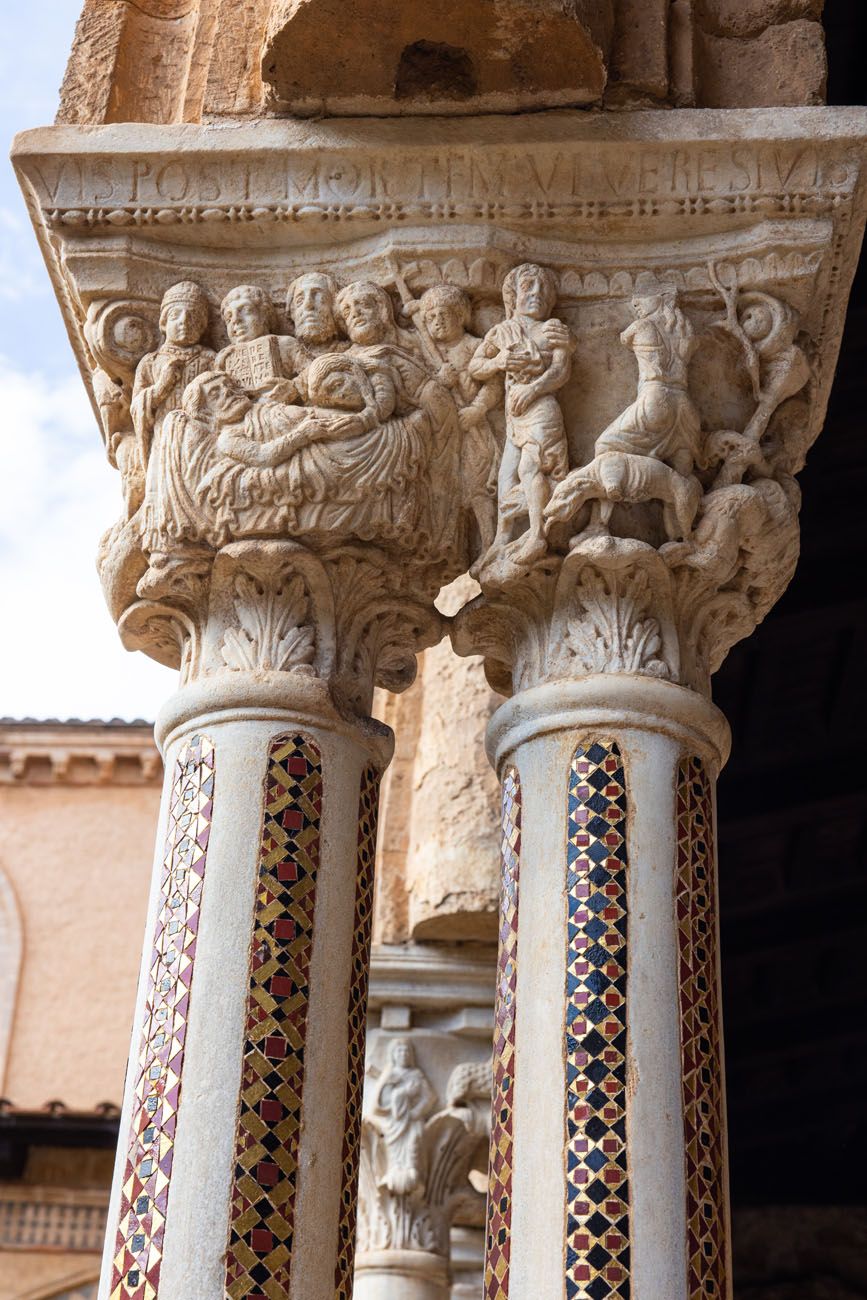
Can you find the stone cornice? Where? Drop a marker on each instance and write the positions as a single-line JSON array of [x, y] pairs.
[[565, 174], [77, 754]]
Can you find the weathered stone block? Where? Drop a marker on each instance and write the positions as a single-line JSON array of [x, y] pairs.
[[752, 17], [372, 56], [784, 66]]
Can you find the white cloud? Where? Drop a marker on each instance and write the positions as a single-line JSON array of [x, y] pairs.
[[60, 655]]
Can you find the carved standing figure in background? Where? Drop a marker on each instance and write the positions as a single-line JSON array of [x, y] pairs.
[[260, 360], [403, 384], [162, 376], [404, 1099], [445, 312], [533, 351]]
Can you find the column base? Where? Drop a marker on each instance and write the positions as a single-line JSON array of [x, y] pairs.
[[401, 1275]]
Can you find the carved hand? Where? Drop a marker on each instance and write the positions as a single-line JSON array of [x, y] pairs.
[[523, 367], [522, 398], [558, 334], [469, 417], [448, 375]]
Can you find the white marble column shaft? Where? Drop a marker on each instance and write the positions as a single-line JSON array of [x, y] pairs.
[[595, 1187], [237, 1163]]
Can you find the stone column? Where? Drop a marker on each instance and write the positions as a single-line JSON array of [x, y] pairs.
[[622, 571], [608, 1055], [238, 1161], [427, 1104]]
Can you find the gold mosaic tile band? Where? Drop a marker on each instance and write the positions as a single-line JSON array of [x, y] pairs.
[[262, 1220], [357, 1018], [499, 1211], [700, 1035], [597, 1188], [147, 1176]]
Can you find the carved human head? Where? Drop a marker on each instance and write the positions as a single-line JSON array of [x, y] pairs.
[[184, 313], [530, 290], [215, 396], [248, 313], [402, 1054], [366, 312], [310, 303], [446, 312], [336, 381]]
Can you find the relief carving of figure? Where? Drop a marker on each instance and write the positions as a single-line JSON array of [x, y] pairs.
[[443, 318], [310, 305], [766, 328], [650, 451], [260, 361], [532, 351], [403, 384], [226, 466], [162, 376], [403, 1101]]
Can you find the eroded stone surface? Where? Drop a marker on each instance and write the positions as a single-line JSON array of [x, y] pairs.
[[784, 64], [490, 55], [191, 62]]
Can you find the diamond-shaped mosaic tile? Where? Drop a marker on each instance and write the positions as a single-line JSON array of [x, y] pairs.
[[147, 1175], [700, 1035], [597, 1189], [259, 1252], [367, 813], [499, 1211]]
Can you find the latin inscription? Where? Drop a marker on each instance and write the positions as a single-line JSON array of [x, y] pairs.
[[550, 174]]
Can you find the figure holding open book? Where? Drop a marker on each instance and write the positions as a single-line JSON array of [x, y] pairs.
[[260, 361]]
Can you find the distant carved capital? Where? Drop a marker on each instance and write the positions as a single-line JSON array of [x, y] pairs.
[[417, 1153]]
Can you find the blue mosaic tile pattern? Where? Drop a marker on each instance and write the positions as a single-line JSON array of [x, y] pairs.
[[597, 1187]]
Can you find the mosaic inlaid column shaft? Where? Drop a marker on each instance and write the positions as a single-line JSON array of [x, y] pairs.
[[616, 1155], [238, 1165]]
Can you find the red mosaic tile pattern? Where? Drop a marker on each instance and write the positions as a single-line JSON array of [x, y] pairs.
[[597, 1188], [259, 1252], [499, 1210], [357, 1015], [147, 1175], [700, 1035]]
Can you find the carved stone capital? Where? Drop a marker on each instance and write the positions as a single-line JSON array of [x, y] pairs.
[[417, 1151], [581, 357], [276, 610]]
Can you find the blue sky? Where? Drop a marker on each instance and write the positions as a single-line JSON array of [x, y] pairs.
[[60, 655]]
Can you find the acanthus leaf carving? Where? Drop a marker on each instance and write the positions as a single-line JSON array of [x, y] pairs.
[[271, 632], [612, 630]]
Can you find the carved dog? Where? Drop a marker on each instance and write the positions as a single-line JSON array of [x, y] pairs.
[[617, 476]]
